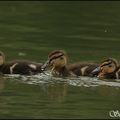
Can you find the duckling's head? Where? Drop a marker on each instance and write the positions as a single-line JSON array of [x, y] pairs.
[[107, 67], [2, 58], [56, 59]]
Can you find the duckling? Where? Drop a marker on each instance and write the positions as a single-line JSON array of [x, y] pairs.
[[108, 69], [57, 62], [23, 67]]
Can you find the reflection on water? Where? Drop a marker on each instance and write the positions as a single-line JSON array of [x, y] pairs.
[[53, 97], [56, 88], [57, 91]]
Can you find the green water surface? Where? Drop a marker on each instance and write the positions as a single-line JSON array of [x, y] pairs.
[[86, 30]]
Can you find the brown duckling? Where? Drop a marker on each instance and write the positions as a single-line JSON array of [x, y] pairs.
[[57, 62], [23, 67], [108, 69]]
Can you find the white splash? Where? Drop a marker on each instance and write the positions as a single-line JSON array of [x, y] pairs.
[[47, 77]]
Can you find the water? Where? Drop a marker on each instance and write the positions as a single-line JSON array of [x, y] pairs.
[[44, 96], [87, 31]]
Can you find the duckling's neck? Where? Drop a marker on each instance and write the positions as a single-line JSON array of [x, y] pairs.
[[61, 71]]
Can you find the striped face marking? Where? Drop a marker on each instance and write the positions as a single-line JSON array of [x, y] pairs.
[[55, 56], [108, 66], [106, 63], [57, 59]]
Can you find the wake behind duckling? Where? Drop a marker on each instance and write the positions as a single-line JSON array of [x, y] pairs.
[[48, 78]]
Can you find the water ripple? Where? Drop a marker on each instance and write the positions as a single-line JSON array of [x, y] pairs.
[[44, 78]]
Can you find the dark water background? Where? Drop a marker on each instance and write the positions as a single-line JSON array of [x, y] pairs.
[[86, 30]]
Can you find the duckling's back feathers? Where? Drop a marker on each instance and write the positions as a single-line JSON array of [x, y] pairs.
[[21, 67], [84, 69]]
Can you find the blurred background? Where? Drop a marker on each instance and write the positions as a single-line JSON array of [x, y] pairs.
[[87, 31]]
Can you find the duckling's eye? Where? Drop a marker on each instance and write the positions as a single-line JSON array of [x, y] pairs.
[[109, 65], [61, 58]]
